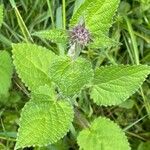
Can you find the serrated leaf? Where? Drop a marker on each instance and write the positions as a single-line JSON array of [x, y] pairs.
[[1, 14], [71, 75], [6, 70], [103, 135], [114, 84], [43, 93], [101, 41], [97, 14], [55, 35], [44, 123], [31, 62]]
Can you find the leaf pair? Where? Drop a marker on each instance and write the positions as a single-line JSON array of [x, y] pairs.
[[38, 66], [111, 85], [97, 16], [43, 120], [44, 116]]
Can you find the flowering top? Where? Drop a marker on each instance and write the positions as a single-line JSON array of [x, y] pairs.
[[80, 35]]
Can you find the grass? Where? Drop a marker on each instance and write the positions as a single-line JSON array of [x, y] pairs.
[[131, 28]]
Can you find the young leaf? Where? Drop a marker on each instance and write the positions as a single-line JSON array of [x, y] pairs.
[[101, 41], [103, 135], [1, 15], [43, 93], [31, 62], [56, 35], [6, 70], [97, 14], [114, 84], [43, 123], [71, 75]]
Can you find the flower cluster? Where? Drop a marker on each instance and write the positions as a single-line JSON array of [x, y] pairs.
[[80, 35]]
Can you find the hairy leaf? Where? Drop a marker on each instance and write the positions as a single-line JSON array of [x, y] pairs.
[[1, 15], [6, 70], [56, 36], [97, 14], [71, 75], [114, 84], [101, 41], [103, 135], [43, 93], [31, 62], [44, 123]]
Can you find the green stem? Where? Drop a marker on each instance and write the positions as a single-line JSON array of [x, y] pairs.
[[137, 62], [136, 135], [110, 59], [128, 49], [133, 40], [64, 14], [146, 102], [6, 138], [21, 23], [82, 121], [51, 13], [134, 123]]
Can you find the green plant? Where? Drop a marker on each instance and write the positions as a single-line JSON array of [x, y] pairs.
[[56, 80]]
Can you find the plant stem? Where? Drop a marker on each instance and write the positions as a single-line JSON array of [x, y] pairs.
[[136, 135], [146, 102], [64, 14], [133, 40], [6, 138], [59, 25], [134, 123], [51, 13], [128, 49], [137, 62], [21, 23], [110, 59], [83, 122]]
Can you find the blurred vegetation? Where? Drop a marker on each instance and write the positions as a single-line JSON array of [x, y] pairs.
[[131, 29]]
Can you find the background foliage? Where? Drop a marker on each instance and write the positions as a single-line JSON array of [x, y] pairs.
[[131, 30]]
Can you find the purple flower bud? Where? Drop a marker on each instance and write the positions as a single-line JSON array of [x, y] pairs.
[[80, 35]]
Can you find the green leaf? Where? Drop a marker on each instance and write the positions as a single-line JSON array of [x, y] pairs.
[[55, 35], [6, 70], [144, 146], [77, 5], [1, 15], [98, 15], [103, 135], [128, 104], [101, 41], [71, 75], [32, 64], [43, 93], [43, 123], [114, 84]]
